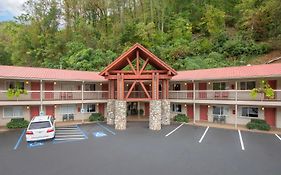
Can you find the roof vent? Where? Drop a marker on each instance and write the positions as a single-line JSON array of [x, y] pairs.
[[249, 65]]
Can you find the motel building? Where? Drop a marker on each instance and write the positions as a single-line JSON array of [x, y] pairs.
[[140, 86]]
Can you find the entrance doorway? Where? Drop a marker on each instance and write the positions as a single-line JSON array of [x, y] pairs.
[[136, 111]]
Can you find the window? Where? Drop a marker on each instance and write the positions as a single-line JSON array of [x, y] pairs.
[[67, 109], [176, 107], [219, 86], [248, 85], [13, 111], [218, 110], [176, 87], [40, 125], [90, 87], [89, 108], [250, 112], [14, 84]]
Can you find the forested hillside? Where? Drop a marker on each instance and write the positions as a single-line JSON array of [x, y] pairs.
[[187, 34]]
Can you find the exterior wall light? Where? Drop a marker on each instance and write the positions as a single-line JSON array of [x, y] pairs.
[[101, 84], [26, 82], [55, 106], [27, 107], [55, 83], [262, 108], [209, 106], [209, 83]]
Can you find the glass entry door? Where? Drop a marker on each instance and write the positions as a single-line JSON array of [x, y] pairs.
[[132, 108]]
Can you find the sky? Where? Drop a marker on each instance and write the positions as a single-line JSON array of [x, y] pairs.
[[10, 8]]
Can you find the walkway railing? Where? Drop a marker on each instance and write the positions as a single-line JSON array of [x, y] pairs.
[[55, 95], [240, 95]]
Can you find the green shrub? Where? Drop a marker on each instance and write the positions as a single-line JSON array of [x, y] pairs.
[[96, 117], [181, 118], [258, 124], [17, 123]]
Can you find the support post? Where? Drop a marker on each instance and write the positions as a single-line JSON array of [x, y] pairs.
[[110, 109], [120, 114], [82, 99], [194, 106], [155, 115], [41, 96], [236, 106], [165, 112]]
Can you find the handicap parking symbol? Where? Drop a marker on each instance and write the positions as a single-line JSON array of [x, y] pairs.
[[35, 144], [99, 134]]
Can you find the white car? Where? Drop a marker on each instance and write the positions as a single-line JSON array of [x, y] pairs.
[[40, 128]]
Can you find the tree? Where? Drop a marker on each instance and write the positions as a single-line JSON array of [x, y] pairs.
[[214, 20]]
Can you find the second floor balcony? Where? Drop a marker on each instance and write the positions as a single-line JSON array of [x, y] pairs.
[[233, 95], [56, 96]]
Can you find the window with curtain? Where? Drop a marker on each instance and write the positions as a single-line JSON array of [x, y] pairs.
[[247, 85], [250, 112], [13, 111], [67, 109]]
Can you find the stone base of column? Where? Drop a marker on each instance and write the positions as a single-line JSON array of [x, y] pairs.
[[110, 109], [120, 114], [155, 115], [165, 106]]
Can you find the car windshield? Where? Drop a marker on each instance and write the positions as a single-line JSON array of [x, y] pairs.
[[40, 125]]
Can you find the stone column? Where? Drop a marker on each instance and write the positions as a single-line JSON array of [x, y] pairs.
[[165, 110], [110, 109], [120, 114], [155, 115]]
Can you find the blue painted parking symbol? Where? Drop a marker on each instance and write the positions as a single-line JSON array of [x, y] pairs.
[[99, 134], [35, 144]]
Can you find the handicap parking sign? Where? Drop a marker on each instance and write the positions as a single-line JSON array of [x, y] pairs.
[[99, 134], [35, 144]]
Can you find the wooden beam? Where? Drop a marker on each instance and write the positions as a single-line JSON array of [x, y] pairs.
[[131, 89], [131, 65], [144, 89], [144, 65], [138, 61], [139, 77], [138, 99], [131, 72]]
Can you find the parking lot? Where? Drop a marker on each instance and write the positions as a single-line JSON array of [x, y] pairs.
[[99, 149]]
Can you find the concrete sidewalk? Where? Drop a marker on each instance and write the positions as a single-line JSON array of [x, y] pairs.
[[232, 127]]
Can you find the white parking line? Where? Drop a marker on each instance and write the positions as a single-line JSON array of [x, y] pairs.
[[174, 130], [278, 136], [66, 136], [201, 139], [241, 140], [65, 139]]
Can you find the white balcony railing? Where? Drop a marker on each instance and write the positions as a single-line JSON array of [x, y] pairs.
[[55, 95], [240, 95]]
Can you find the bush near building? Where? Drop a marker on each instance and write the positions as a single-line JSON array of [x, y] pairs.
[[181, 118], [17, 123], [96, 117], [258, 124]]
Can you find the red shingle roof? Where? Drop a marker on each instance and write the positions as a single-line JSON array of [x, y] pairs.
[[15, 72], [264, 70]]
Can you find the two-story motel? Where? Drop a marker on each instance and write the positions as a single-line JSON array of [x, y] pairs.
[[140, 85]]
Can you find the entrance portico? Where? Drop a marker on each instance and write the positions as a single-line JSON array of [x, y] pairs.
[[137, 76]]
